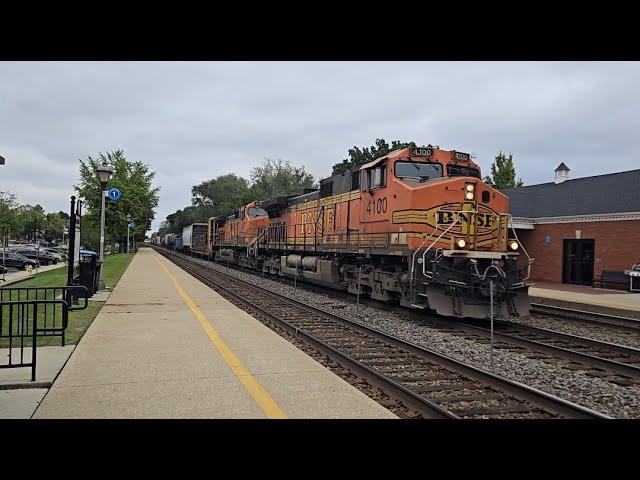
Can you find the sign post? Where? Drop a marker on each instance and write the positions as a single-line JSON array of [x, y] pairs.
[[73, 261], [491, 315]]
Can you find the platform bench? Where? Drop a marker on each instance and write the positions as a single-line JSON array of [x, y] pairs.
[[612, 276]]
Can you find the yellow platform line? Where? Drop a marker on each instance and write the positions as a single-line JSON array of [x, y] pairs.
[[257, 391]]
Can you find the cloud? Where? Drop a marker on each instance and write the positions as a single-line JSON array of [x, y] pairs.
[[193, 121]]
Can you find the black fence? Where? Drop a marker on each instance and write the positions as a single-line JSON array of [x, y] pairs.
[[28, 313]]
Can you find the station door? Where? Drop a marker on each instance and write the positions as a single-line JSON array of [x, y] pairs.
[[577, 260]]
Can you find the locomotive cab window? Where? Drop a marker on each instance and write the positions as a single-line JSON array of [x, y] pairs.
[[254, 212], [460, 171], [375, 177], [420, 172]]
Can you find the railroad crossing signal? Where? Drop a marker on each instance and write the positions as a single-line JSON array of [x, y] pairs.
[[114, 194]]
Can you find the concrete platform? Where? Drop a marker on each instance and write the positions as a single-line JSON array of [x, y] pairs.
[[167, 346], [602, 298]]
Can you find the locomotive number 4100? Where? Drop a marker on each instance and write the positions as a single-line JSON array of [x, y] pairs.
[[377, 206]]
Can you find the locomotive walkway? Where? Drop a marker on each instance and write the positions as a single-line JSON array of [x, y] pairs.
[[167, 346]]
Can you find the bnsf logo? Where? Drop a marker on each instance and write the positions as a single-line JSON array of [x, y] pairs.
[[445, 217], [421, 152]]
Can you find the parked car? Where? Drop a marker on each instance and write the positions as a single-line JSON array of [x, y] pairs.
[[55, 253], [44, 257], [17, 261]]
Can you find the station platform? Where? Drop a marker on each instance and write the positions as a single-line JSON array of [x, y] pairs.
[[618, 302], [167, 346]]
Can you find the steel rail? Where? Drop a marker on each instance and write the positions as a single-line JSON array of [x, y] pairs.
[[624, 323]]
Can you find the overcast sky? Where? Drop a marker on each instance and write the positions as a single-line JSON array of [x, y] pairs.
[[193, 121]]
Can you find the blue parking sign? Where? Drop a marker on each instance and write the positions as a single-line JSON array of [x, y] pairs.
[[114, 194]]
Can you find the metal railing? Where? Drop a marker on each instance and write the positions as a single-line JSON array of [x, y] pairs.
[[28, 313]]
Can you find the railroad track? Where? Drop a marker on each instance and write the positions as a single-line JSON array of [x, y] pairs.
[[631, 325], [426, 383], [615, 363]]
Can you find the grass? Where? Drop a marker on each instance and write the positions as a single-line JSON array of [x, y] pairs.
[[79, 320]]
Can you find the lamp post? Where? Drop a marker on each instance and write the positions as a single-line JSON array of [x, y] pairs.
[[104, 175], [128, 223], [4, 242]]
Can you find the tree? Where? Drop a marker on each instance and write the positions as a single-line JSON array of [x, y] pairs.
[[358, 157], [278, 178], [503, 173], [8, 213], [220, 195], [139, 197], [54, 226], [30, 219]]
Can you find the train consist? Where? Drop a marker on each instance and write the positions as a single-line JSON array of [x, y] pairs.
[[417, 225]]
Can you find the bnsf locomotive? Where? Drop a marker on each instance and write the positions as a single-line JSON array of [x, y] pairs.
[[417, 225]]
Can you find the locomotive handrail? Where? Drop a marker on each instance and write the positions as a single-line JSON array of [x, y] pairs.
[[529, 259], [413, 259], [424, 254]]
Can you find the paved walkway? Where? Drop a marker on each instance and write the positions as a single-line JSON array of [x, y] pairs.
[[602, 297], [13, 275], [19, 396], [167, 346]]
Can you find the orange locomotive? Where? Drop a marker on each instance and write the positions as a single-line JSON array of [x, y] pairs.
[[418, 226]]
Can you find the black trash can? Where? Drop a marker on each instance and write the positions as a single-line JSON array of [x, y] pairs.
[[88, 270]]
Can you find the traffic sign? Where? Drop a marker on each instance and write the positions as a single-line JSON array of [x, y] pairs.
[[114, 194], [132, 225]]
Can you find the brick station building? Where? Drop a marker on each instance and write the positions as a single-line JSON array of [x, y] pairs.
[[576, 228]]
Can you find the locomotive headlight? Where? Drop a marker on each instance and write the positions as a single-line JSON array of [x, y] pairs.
[[513, 245], [461, 243], [469, 191]]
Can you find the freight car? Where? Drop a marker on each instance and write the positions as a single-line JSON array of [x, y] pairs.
[[178, 243], [194, 238], [168, 240], [417, 226]]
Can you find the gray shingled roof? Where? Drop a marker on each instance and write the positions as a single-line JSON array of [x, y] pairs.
[[562, 166], [611, 193]]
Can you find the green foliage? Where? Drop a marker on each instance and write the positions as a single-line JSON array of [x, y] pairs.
[[139, 197], [22, 221], [278, 178], [358, 157], [54, 226], [503, 173], [220, 195], [8, 212], [224, 194]]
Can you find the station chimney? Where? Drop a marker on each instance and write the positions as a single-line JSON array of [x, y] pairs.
[[562, 173]]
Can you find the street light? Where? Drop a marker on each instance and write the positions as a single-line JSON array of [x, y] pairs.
[[4, 242], [104, 175]]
